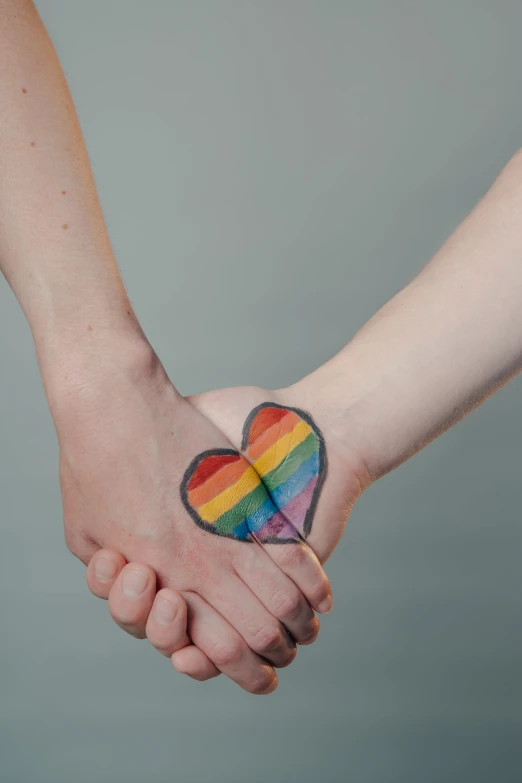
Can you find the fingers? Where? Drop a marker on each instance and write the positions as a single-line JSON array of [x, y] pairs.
[[103, 570], [226, 649], [278, 593], [194, 663], [259, 629], [132, 597], [166, 626], [298, 561]]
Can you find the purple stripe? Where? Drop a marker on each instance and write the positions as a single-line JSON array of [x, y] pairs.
[[276, 527], [296, 509]]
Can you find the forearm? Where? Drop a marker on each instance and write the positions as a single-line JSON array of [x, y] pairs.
[[54, 248], [440, 346]]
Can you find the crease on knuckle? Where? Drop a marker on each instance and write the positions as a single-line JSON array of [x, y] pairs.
[[225, 653], [267, 639], [285, 603], [293, 555]]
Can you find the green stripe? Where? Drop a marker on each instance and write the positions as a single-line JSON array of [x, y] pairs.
[[246, 506], [289, 465]]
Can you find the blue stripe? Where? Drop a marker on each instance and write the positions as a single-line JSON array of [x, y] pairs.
[[297, 482], [256, 520], [241, 532]]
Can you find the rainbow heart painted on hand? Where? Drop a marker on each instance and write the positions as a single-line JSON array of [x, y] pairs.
[[273, 493]]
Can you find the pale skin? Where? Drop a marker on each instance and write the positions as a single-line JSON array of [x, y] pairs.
[[438, 349], [125, 435]]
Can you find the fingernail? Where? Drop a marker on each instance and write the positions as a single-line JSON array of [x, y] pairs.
[[105, 569], [165, 612], [325, 606], [134, 583]]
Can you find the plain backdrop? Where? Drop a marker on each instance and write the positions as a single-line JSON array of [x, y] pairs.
[[271, 173]]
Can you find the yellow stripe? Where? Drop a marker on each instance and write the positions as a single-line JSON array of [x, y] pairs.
[[227, 499], [281, 448]]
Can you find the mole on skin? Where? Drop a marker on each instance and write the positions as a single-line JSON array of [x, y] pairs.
[[65, 226], [24, 90], [33, 144], [64, 192]]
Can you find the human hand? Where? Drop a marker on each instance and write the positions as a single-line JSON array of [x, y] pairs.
[[126, 439], [341, 479], [229, 409], [162, 617]]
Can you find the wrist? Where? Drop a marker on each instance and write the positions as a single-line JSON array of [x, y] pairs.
[[86, 374], [367, 409], [343, 431]]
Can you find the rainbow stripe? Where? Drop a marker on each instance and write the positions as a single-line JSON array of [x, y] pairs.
[[287, 452], [274, 493], [221, 490]]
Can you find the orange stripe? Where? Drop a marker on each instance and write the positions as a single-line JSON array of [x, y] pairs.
[[263, 420], [220, 481], [270, 436]]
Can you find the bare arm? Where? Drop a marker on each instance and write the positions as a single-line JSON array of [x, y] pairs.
[[441, 346], [434, 352], [127, 439], [54, 248]]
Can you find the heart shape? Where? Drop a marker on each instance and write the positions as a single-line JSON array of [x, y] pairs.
[[273, 492]]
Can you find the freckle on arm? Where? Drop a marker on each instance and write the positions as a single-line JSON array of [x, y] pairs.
[[64, 192], [33, 144]]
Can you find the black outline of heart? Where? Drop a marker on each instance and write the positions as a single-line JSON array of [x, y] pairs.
[[321, 477]]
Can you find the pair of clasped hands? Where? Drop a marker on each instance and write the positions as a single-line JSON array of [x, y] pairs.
[[204, 521], [236, 602]]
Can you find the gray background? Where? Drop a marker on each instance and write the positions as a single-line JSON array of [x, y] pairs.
[[334, 145]]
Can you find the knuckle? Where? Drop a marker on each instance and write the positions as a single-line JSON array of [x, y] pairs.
[[293, 555], [225, 653], [268, 639], [286, 603]]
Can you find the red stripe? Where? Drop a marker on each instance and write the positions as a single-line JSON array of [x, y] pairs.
[[209, 466], [266, 418]]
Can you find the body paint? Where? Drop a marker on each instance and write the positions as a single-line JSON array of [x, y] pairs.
[[273, 495]]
